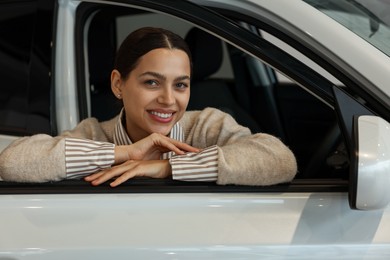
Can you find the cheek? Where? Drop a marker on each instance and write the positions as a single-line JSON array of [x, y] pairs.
[[183, 100], [182, 108], [133, 106], [135, 99]]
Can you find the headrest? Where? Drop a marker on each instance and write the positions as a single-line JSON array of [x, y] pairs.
[[206, 51]]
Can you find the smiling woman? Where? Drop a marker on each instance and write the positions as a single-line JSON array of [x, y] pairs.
[[153, 136], [156, 93]]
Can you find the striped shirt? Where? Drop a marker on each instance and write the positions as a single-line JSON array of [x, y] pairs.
[[84, 157]]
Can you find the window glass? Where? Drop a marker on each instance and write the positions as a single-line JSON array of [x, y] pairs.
[[25, 55], [367, 18], [293, 112], [287, 48]]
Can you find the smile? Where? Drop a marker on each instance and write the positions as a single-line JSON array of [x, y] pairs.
[[162, 115]]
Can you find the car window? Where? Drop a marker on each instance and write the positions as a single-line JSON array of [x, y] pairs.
[[243, 86], [303, 120], [290, 110], [25, 64]]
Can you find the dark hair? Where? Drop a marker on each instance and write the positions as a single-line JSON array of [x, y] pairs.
[[143, 40]]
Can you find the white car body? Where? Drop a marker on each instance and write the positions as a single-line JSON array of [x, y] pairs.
[[210, 225], [176, 226]]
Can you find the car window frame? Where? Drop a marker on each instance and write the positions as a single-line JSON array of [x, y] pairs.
[[146, 186]]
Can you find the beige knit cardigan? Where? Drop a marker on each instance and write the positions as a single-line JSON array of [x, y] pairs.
[[243, 158]]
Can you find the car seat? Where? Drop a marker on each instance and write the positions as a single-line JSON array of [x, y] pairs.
[[207, 57], [101, 53]]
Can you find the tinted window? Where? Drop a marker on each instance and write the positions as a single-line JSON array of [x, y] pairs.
[[25, 57]]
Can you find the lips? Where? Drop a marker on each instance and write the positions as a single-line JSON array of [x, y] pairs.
[[161, 115]]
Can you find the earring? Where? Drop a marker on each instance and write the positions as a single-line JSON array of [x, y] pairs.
[[119, 95]]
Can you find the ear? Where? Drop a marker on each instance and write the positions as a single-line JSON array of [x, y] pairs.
[[116, 84]]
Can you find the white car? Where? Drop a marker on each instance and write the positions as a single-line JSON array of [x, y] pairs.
[[314, 73]]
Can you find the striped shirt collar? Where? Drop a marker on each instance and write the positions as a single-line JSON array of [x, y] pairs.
[[122, 138]]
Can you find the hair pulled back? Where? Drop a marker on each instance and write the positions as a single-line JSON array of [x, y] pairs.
[[143, 40]]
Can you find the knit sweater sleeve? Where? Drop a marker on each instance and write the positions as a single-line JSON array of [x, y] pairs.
[[42, 158], [243, 158]]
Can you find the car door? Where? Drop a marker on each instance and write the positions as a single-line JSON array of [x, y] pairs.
[[307, 218]]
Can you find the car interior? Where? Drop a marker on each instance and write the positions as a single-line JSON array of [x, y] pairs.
[[249, 90], [25, 67], [252, 95], [219, 93]]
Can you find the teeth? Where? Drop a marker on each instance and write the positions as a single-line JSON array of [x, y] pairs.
[[162, 115]]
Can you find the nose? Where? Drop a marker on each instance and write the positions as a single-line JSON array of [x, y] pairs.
[[166, 96]]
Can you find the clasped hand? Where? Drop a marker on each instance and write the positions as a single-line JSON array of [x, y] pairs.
[[141, 159]]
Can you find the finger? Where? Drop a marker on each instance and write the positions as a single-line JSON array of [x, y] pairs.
[[153, 169], [135, 170], [169, 145], [177, 146], [113, 172], [94, 176], [186, 147], [121, 179]]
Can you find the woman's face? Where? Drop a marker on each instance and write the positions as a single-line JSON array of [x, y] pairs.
[[156, 93]]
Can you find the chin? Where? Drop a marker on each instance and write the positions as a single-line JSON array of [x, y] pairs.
[[163, 131]]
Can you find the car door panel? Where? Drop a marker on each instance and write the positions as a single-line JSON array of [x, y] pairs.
[[222, 225], [72, 220]]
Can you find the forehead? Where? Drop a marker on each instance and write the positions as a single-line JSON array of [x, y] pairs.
[[164, 59]]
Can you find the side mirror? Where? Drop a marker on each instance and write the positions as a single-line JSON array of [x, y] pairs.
[[370, 163]]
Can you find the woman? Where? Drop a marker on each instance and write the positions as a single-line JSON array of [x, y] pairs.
[[153, 136]]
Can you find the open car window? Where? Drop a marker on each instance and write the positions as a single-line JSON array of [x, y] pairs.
[[244, 86]]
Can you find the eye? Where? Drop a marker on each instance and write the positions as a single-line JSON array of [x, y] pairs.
[[181, 85], [151, 83]]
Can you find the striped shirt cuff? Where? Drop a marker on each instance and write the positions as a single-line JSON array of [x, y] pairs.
[[83, 157], [202, 166]]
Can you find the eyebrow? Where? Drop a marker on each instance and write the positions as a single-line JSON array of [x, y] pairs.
[[161, 76]]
